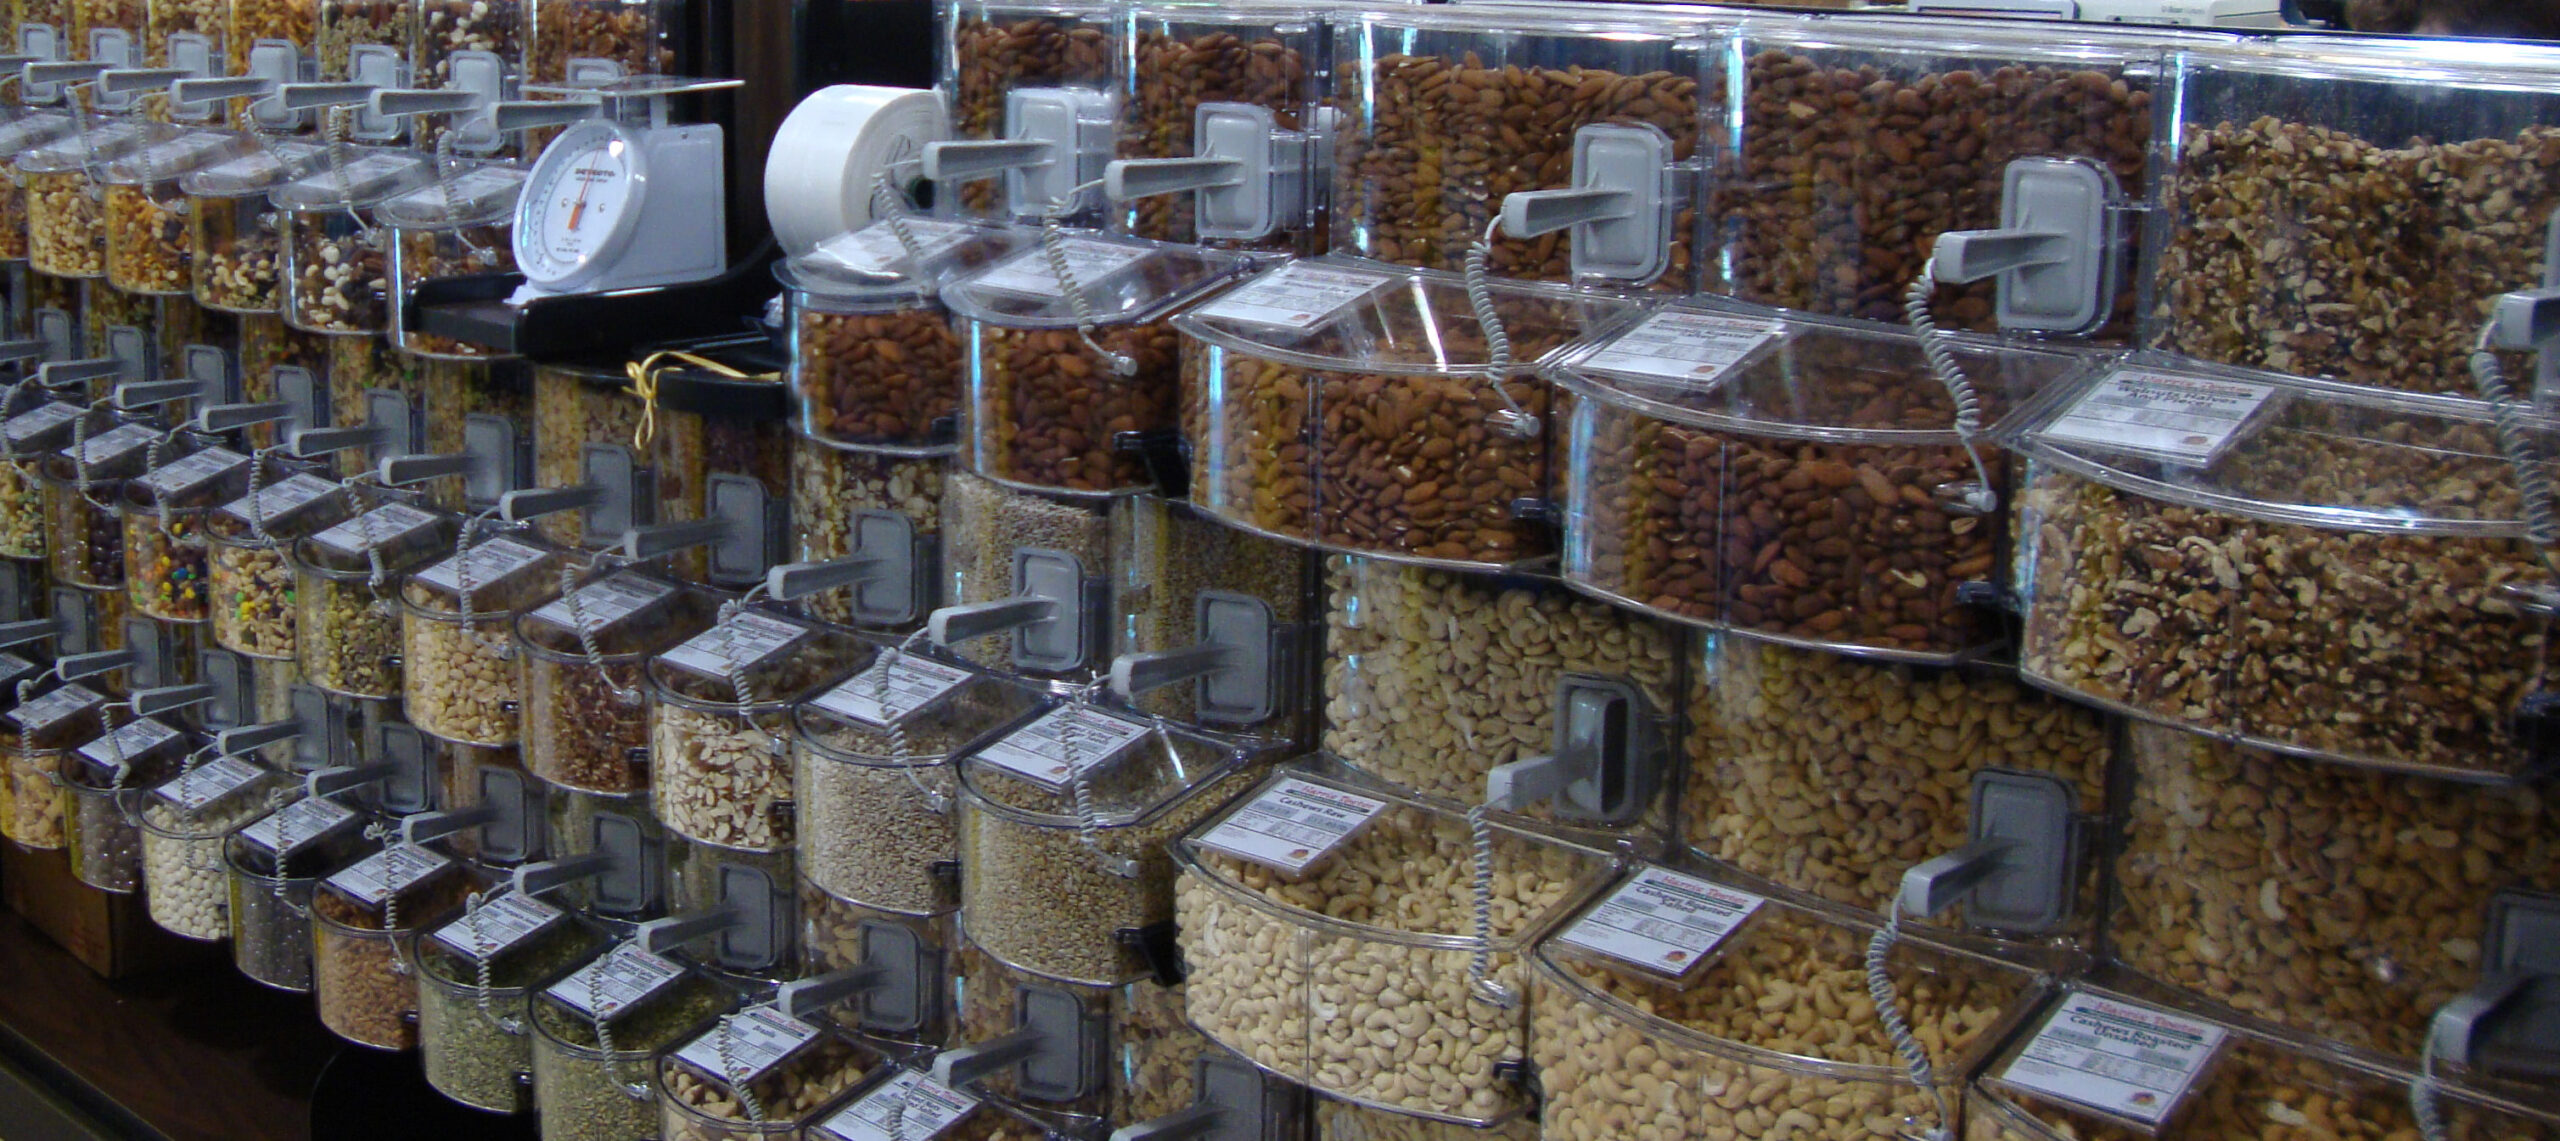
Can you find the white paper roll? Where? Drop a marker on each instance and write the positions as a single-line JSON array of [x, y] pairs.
[[832, 147]]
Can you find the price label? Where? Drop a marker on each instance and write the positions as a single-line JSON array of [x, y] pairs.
[[912, 684], [54, 707], [193, 472], [1089, 261], [1690, 347], [931, 1107], [374, 529], [1663, 921], [1038, 752], [307, 819], [135, 739], [605, 602], [363, 175], [874, 249], [11, 666], [500, 925], [28, 425], [389, 872], [279, 500], [2182, 419], [736, 646], [622, 979], [760, 1038], [123, 441], [1297, 296], [1292, 825], [2116, 1057], [488, 563], [195, 788]]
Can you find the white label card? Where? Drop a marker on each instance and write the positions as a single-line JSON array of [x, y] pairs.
[[125, 744], [931, 1107], [206, 783], [760, 1038], [360, 174], [2116, 1057], [2183, 419], [116, 444], [11, 665], [875, 248], [1038, 752], [913, 683], [622, 979], [1298, 296], [193, 472], [56, 706], [1090, 261], [28, 425], [1663, 921], [499, 926], [1292, 825], [379, 527], [1679, 345], [307, 819], [737, 646], [490, 562], [605, 602], [279, 500], [388, 872]]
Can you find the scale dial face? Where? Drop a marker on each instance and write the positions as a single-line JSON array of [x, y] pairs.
[[580, 204]]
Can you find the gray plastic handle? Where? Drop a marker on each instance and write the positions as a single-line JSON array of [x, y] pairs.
[[131, 80], [527, 115], [13, 64], [61, 374], [1128, 178], [1180, 1125], [659, 936], [1134, 674], [2526, 319], [968, 160], [1527, 781], [222, 87], [401, 471], [1965, 256], [29, 630], [138, 395], [2021, 867], [233, 742], [644, 543], [12, 352], [310, 96], [811, 995], [73, 667], [337, 779], [73, 71], [800, 580], [1529, 213], [2461, 1027], [1940, 882], [969, 622], [534, 879], [534, 503], [313, 443], [154, 702], [963, 1065], [406, 101], [229, 417], [421, 827]]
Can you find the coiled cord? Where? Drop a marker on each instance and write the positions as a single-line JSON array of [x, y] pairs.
[[1513, 421], [891, 208], [1983, 498], [1897, 1027], [731, 1072], [2533, 477], [1080, 787], [899, 744], [1481, 982], [627, 695], [1053, 249], [2424, 1096]]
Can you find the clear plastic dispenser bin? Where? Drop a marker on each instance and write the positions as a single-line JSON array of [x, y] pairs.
[[1112, 1053], [105, 845], [1000, 544], [368, 41], [587, 41], [476, 973], [66, 226], [877, 791], [365, 920], [83, 484], [184, 822], [586, 717], [458, 656], [337, 263], [2347, 210], [2349, 903], [235, 235], [18, 138], [2328, 570], [632, 887], [1435, 680], [911, 1003], [2249, 1086], [275, 863], [1856, 145], [588, 433], [1259, 69], [1770, 1032], [1337, 1119], [166, 544], [875, 360], [1826, 775], [1362, 969], [1420, 172], [1064, 828], [347, 628], [849, 500], [720, 729], [250, 573], [1211, 625], [456, 227], [1350, 407], [1046, 410], [695, 871], [1793, 478], [280, 364], [597, 1036], [268, 36], [146, 205], [1063, 53], [759, 1073], [33, 431]]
